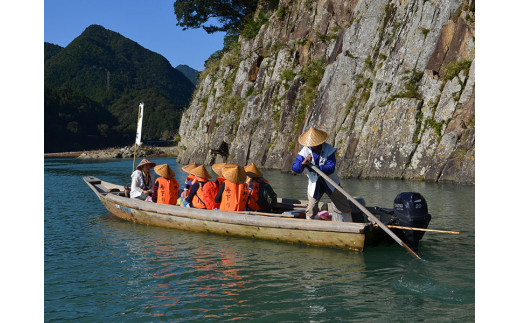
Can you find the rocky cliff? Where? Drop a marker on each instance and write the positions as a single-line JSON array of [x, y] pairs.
[[392, 82]]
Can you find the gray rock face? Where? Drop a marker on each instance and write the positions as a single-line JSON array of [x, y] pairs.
[[392, 82]]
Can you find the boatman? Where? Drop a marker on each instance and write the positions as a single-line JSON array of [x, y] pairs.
[[317, 152]]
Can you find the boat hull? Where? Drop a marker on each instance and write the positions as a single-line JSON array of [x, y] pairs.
[[343, 235]]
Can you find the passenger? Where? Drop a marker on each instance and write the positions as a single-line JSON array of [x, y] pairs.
[[142, 181], [261, 195], [217, 168], [189, 180], [232, 194], [203, 191], [317, 152], [166, 188]]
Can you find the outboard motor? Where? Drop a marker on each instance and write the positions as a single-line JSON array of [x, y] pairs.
[[411, 210]]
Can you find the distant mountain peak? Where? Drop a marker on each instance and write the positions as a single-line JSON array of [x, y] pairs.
[[191, 73]]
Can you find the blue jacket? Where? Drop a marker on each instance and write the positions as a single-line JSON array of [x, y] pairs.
[[327, 164]]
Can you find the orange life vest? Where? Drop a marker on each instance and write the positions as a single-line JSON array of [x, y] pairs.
[[167, 190], [220, 180], [205, 196], [234, 197]]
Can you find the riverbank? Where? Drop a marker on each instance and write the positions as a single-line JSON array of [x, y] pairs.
[[117, 152]]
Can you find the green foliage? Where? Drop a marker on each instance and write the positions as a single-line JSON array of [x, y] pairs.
[[198, 13], [50, 50], [436, 126], [74, 122], [250, 91], [454, 68], [411, 88], [287, 75], [327, 37], [281, 12], [369, 64], [252, 25], [425, 31], [312, 74], [116, 73]]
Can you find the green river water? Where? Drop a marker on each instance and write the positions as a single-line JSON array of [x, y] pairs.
[[101, 269]]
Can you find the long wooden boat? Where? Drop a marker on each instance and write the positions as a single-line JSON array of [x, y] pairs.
[[277, 227]]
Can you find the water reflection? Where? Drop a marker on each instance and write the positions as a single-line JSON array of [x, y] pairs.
[[220, 269]]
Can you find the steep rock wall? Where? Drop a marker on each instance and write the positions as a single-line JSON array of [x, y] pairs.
[[392, 82]]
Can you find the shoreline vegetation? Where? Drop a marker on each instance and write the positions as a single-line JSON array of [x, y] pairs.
[[118, 152]]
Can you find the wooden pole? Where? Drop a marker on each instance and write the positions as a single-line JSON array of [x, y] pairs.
[[421, 229], [362, 208]]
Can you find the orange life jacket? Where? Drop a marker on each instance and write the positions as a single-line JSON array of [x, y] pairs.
[[220, 180], [167, 190], [234, 197], [205, 196]]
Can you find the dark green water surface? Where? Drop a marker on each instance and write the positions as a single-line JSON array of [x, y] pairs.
[[101, 269]]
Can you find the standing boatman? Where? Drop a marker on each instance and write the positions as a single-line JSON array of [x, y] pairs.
[[317, 152]]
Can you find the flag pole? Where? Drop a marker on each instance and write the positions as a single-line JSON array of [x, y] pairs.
[[139, 128]]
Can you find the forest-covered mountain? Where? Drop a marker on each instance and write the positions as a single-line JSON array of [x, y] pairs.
[[191, 73], [93, 88]]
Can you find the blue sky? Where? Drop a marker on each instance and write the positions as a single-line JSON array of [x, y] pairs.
[[151, 23]]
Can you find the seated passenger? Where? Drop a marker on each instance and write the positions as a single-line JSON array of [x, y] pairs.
[[261, 195], [189, 180], [203, 191], [217, 168], [166, 188], [232, 194], [142, 181]]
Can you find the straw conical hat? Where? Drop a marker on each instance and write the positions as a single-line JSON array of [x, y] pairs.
[[217, 168], [200, 171], [164, 171], [189, 167], [313, 137], [235, 174], [252, 171], [144, 162]]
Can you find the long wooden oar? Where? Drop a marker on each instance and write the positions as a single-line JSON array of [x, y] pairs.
[[421, 229], [362, 208]]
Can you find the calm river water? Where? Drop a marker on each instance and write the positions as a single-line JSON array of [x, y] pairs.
[[99, 269]]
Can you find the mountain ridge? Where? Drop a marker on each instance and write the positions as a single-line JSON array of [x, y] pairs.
[[117, 73]]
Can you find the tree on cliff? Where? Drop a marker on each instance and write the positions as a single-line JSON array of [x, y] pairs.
[[202, 13]]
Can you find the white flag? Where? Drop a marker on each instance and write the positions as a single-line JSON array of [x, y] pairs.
[[139, 125]]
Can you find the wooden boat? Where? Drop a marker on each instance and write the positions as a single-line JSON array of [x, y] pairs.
[[268, 226]]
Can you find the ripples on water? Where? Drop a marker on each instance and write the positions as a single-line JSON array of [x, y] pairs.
[[99, 268]]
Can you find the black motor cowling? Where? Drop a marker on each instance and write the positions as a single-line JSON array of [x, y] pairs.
[[411, 210]]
